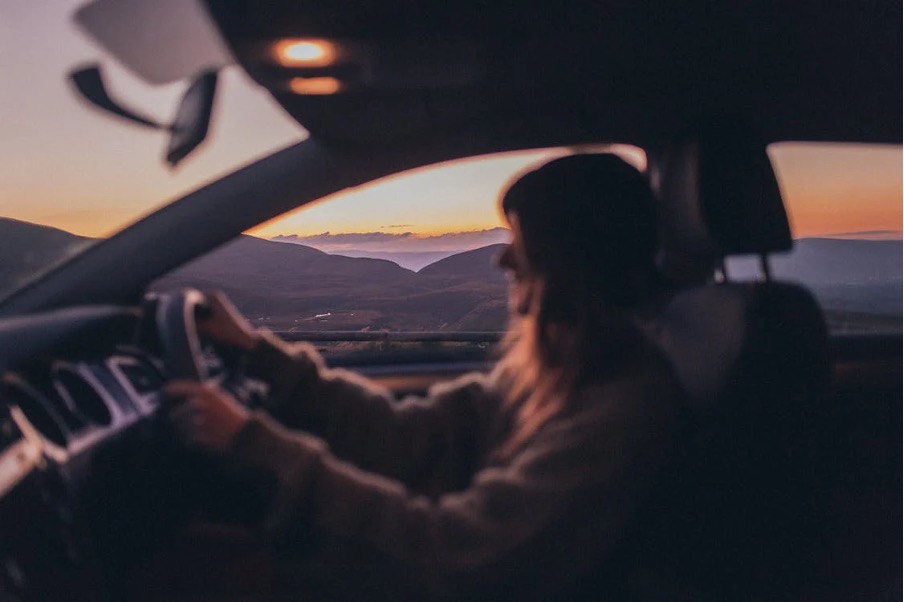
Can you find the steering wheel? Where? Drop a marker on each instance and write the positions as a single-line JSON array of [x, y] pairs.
[[221, 488], [176, 317]]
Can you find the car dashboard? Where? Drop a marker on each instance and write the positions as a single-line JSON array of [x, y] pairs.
[[72, 405], [92, 479], [87, 474]]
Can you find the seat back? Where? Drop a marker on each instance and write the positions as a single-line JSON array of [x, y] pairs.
[[729, 518]]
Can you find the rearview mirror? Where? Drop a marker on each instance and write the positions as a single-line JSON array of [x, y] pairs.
[[190, 125], [189, 128]]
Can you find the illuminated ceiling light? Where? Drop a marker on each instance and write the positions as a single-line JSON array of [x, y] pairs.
[[305, 53], [315, 85]]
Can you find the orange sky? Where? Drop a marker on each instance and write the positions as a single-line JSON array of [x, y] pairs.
[[847, 190], [838, 189], [456, 196], [829, 190]]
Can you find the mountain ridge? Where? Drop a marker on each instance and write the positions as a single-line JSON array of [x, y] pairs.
[[286, 286], [27, 249]]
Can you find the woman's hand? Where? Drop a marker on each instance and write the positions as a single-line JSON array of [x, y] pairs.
[[225, 325], [204, 414]]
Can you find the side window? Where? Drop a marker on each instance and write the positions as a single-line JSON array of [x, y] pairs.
[[403, 264], [844, 202]]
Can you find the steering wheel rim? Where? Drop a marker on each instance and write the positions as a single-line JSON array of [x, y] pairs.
[[177, 328]]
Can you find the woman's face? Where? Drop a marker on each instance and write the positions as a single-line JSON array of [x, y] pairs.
[[514, 261]]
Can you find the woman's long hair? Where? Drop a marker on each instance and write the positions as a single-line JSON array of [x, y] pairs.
[[588, 224]]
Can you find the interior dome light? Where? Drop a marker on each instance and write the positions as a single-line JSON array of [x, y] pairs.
[[305, 53], [315, 85]]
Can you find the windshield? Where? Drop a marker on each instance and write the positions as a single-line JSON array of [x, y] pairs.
[[67, 166]]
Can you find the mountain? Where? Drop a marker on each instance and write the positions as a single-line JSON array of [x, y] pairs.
[[291, 266], [469, 288], [851, 275], [28, 249], [863, 276], [472, 264], [822, 261], [282, 285], [292, 286], [412, 260], [849, 261]]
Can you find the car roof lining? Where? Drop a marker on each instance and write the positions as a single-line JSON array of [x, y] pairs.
[[637, 72]]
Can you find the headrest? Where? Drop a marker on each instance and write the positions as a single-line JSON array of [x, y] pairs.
[[720, 197]]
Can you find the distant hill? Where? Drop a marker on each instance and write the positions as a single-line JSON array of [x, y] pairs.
[[862, 276], [290, 265], [854, 275], [476, 263], [419, 260], [286, 286], [833, 261], [280, 283], [414, 260], [26, 249], [851, 261]]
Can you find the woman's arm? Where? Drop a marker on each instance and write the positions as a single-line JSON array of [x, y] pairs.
[[526, 521], [438, 436], [408, 439]]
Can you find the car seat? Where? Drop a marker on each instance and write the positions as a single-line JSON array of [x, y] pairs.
[[731, 518]]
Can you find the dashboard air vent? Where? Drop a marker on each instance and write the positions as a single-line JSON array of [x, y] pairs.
[[82, 396], [39, 411]]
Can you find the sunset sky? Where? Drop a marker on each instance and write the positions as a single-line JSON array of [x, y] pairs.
[[65, 165]]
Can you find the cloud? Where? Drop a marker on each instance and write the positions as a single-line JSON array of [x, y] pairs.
[[399, 243], [344, 239]]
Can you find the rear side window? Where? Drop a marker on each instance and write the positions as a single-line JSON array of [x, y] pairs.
[[844, 203]]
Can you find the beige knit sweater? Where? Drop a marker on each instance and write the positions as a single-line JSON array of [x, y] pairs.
[[414, 488]]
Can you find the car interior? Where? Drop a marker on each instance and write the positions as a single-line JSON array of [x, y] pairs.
[[789, 487]]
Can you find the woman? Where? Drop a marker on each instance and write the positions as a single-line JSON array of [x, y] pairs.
[[515, 484]]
